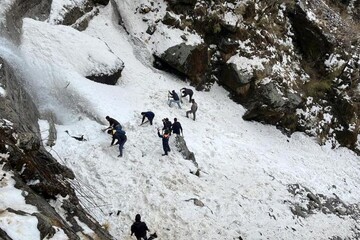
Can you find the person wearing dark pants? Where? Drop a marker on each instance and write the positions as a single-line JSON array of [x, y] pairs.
[[113, 123], [176, 127], [149, 115], [120, 136], [193, 109], [165, 141], [187, 92], [139, 228]]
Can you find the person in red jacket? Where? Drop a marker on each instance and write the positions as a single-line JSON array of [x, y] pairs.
[[165, 141]]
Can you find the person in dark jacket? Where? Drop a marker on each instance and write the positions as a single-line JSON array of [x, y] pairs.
[[149, 115], [119, 135], [167, 125], [175, 98], [165, 141], [139, 228], [193, 109], [176, 127], [113, 123], [187, 92]]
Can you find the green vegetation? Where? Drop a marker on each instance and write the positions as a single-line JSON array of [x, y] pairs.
[[317, 88]]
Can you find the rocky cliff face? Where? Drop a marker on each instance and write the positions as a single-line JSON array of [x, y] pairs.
[[293, 64]]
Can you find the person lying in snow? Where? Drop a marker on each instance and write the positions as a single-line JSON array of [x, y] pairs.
[[119, 135]]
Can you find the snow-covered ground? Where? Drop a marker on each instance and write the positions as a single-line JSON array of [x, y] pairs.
[[245, 166]]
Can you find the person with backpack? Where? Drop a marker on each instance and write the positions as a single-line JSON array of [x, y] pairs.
[[176, 127], [113, 123], [175, 98], [119, 135], [139, 228], [165, 141], [149, 115], [193, 109], [187, 92]]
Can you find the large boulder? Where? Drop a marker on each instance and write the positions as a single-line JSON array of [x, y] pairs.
[[76, 13], [88, 56], [310, 39], [269, 105], [189, 60]]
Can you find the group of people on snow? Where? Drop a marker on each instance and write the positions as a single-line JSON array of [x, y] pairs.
[[140, 228], [115, 130], [119, 135]]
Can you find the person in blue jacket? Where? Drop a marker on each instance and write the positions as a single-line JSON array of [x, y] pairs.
[[175, 98], [165, 141], [149, 115], [119, 135]]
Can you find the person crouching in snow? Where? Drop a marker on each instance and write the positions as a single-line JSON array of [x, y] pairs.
[[120, 136], [149, 115], [165, 141], [113, 123]]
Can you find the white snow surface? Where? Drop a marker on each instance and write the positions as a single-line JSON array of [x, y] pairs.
[[67, 48], [245, 167], [16, 226], [2, 92]]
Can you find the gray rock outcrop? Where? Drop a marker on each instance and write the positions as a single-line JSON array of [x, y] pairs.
[[310, 60]]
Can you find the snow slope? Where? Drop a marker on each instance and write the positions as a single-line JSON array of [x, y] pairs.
[[245, 166]]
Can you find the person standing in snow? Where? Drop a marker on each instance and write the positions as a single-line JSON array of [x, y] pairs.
[[193, 109], [149, 115], [175, 98], [176, 127], [165, 141], [139, 228], [187, 92], [113, 123], [167, 125], [119, 135]]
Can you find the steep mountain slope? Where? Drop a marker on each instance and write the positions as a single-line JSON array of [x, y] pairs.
[[254, 181]]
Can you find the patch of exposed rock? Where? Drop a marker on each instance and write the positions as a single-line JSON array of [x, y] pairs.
[[308, 203], [280, 59]]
